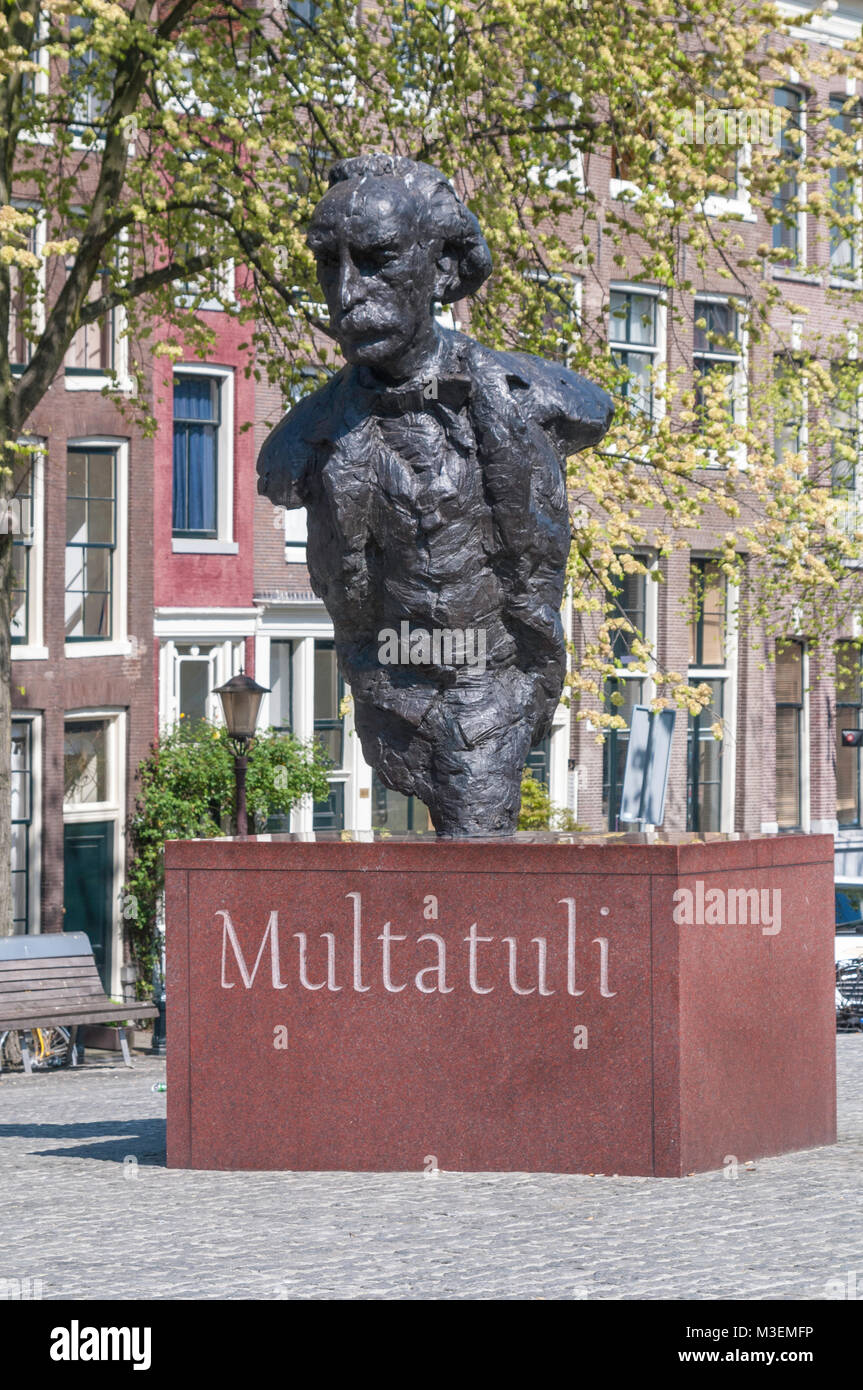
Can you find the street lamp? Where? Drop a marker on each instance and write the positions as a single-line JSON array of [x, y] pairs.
[[241, 700]]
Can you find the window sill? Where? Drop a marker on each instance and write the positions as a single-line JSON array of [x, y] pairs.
[[845, 282], [186, 546], [800, 277], [115, 647], [97, 382], [728, 207], [25, 652], [622, 191]]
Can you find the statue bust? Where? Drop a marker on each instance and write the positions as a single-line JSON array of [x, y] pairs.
[[433, 473]]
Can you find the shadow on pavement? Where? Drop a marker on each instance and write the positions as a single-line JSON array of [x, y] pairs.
[[143, 1140]]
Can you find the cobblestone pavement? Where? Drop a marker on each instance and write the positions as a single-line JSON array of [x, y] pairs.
[[84, 1185]]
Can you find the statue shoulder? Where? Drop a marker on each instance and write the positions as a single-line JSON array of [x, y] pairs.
[[575, 411], [288, 452]]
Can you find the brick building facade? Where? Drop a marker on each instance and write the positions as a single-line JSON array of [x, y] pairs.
[[136, 600]]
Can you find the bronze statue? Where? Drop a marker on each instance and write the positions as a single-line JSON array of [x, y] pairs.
[[433, 473]]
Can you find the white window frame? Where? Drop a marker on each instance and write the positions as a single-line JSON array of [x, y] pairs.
[[40, 236], [115, 745], [650, 635], [120, 379], [34, 839], [796, 346], [625, 191], [659, 351], [224, 543], [303, 624], [41, 78], [805, 827], [850, 506], [571, 174], [296, 535], [576, 284], [34, 649], [739, 208], [223, 275], [799, 266], [80, 145], [727, 673], [740, 374], [224, 631], [119, 644], [855, 281]]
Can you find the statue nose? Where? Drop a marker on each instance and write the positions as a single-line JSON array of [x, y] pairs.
[[350, 284]]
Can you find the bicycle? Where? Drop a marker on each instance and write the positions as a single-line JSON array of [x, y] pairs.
[[849, 995], [48, 1047]]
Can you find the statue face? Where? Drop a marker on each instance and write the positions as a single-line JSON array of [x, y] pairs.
[[377, 269]]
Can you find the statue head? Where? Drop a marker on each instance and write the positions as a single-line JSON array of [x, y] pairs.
[[391, 237]]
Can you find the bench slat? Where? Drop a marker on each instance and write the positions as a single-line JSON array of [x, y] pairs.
[[71, 1013], [36, 998], [46, 982], [37, 968]]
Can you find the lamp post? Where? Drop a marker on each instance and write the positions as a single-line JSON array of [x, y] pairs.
[[241, 700]]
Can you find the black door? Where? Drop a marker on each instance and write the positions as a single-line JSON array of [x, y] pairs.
[[88, 887]]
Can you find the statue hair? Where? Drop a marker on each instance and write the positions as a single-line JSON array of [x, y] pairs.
[[450, 220]]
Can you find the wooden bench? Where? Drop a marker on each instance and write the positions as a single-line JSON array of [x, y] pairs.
[[52, 979]]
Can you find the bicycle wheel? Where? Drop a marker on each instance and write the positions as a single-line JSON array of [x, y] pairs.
[[56, 1050]]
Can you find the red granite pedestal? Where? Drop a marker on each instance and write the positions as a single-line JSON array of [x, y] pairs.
[[541, 1004]]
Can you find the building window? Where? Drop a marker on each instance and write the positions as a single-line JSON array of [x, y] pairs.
[[22, 823], [302, 15], [559, 308], [631, 693], [788, 229], [25, 297], [282, 685], [634, 341], [330, 813], [85, 762], [717, 357], [845, 420], [849, 715], [329, 693], [195, 682], [395, 812], [707, 614], [91, 541], [789, 735], [844, 192], [789, 416], [197, 419], [92, 351], [704, 764], [89, 104], [707, 666], [622, 691], [22, 621]]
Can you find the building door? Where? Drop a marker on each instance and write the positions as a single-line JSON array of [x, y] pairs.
[[88, 868]]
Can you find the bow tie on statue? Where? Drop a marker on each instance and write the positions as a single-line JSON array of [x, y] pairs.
[[450, 391]]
